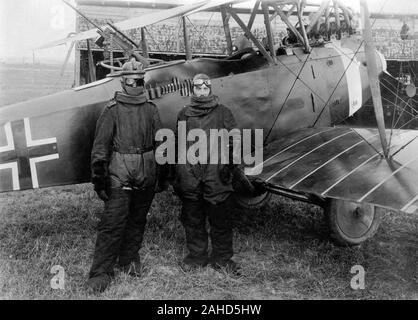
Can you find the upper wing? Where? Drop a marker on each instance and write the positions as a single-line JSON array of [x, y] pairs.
[[346, 163], [146, 20], [215, 3], [137, 22]]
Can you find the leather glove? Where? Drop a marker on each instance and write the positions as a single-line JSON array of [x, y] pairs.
[[241, 182], [259, 186], [98, 176], [225, 174], [102, 195]]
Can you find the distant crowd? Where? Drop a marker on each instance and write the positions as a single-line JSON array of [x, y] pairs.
[[388, 42], [210, 39]]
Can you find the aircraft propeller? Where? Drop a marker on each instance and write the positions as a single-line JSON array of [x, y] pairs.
[[373, 77]]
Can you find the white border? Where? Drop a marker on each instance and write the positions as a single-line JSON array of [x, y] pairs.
[[15, 173]]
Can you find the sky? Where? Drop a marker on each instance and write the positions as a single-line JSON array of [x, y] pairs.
[[27, 24]]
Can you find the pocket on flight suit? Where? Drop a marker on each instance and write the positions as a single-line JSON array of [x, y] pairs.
[[118, 171]]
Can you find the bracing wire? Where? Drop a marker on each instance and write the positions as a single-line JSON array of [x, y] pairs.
[[152, 39], [386, 87], [336, 86], [200, 33], [313, 91], [346, 69], [287, 97], [394, 124]]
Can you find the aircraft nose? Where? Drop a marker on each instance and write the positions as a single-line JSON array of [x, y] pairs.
[[383, 64]]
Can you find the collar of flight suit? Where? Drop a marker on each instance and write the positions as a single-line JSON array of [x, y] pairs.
[[128, 99]]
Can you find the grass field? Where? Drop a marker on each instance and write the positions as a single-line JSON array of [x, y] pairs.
[[284, 250]]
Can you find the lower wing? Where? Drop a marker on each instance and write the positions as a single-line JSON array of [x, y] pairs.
[[348, 164]]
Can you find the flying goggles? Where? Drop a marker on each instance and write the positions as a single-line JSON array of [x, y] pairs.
[[134, 82], [200, 82]]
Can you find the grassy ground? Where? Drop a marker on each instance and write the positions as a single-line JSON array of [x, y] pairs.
[[284, 251]]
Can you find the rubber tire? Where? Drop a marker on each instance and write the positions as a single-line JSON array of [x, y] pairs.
[[334, 211]]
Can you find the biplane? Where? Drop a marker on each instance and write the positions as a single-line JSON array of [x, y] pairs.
[[299, 91]]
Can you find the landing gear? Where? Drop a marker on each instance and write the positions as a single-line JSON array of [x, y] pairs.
[[352, 223]]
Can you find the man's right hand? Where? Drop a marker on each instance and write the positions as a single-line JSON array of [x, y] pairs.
[[102, 195]]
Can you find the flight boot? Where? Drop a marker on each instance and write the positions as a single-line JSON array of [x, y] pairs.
[[97, 284], [191, 263], [228, 266], [132, 269]]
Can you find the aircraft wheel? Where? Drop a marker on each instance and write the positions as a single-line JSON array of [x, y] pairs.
[[252, 203], [352, 223]]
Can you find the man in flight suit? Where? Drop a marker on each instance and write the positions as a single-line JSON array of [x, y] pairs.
[[203, 192], [124, 176]]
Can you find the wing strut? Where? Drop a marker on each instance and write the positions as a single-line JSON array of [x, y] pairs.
[[227, 30], [144, 44], [373, 78], [186, 39], [250, 36]]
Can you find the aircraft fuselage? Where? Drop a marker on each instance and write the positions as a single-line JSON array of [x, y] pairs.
[[47, 141]]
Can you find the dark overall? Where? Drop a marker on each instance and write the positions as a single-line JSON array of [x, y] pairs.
[[204, 194], [123, 164]]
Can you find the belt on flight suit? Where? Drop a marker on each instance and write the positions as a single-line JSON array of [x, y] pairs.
[[132, 150]]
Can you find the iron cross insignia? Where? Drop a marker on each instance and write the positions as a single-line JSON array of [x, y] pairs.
[[21, 154]]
